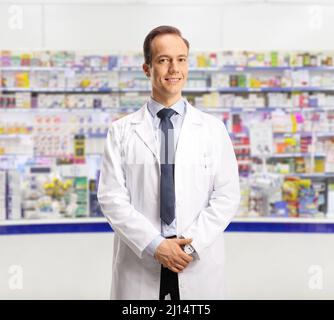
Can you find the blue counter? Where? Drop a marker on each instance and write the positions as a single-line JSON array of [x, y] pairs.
[[84, 225]]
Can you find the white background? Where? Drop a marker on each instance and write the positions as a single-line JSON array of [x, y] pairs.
[[113, 25]]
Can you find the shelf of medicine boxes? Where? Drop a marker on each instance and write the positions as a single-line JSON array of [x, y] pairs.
[[185, 90], [216, 109], [238, 224], [205, 109], [225, 69]]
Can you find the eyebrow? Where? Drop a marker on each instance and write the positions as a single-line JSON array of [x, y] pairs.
[[165, 55]]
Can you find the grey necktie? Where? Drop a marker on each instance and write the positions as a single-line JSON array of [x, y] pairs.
[[167, 189]]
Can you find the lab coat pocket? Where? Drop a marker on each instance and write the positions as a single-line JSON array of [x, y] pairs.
[[207, 161], [203, 172]]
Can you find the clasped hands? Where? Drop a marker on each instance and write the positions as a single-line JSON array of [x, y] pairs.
[[171, 255]]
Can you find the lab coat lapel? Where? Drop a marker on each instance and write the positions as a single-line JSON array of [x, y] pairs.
[[191, 123], [144, 129]]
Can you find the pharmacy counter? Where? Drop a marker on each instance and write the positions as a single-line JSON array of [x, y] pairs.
[[82, 225], [72, 259]]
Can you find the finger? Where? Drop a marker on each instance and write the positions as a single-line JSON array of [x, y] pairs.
[[179, 267], [185, 256], [177, 263], [183, 241], [174, 269], [188, 258], [181, 263]]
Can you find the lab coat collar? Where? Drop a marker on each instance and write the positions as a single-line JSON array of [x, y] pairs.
[[144, 128], [192, 114]]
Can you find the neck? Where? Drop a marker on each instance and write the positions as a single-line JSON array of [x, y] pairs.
[[166, 101]]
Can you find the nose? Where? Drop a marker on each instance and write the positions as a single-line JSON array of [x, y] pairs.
[[174, 67]]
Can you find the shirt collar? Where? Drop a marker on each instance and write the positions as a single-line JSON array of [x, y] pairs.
[[154, 107]]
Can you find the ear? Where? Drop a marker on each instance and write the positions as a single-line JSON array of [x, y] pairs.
[[146, 69]]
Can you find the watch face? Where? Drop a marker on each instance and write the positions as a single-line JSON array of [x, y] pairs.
[[188, 249]]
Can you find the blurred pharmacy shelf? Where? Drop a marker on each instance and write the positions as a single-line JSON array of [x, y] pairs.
[[226, 68], [56, 108], [185, 90], [205, 109]]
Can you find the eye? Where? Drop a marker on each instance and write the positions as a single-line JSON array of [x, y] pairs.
[[163, 60], [182, 59]]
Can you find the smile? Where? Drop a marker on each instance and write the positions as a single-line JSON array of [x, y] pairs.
[[173, 80]]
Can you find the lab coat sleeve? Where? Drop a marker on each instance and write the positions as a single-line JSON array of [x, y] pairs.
[[131, 226], [224, 199]]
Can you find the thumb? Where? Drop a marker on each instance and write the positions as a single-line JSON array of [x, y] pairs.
[[184, 241]]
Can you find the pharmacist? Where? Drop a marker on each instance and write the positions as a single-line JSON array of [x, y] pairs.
[[169, 186]]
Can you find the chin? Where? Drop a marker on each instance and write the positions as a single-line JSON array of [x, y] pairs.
[[174, 92]]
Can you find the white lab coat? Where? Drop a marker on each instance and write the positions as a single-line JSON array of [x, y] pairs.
[[206, 192]]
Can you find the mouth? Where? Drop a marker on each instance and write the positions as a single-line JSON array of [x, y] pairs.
[[173, 80]]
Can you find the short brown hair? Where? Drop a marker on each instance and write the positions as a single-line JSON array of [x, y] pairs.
[[157, 32]]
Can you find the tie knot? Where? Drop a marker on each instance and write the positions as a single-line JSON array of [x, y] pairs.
[[165, 113]]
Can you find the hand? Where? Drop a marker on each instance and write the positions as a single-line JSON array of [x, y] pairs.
[[171, 255]]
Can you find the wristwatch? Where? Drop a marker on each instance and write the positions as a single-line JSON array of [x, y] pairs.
[[189, 249]]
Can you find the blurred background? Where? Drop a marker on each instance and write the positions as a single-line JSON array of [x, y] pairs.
[[69, 68]]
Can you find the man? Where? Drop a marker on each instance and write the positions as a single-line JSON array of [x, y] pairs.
[[169, 186]]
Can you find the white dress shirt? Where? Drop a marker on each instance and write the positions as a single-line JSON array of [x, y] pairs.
[[177, 119]]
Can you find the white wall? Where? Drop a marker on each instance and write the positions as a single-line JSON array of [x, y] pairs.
[[113, 25], [78, 266]]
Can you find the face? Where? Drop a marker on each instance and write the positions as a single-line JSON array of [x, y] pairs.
[[169, 69]]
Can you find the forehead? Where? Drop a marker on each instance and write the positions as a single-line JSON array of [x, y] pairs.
[[168, 44]]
